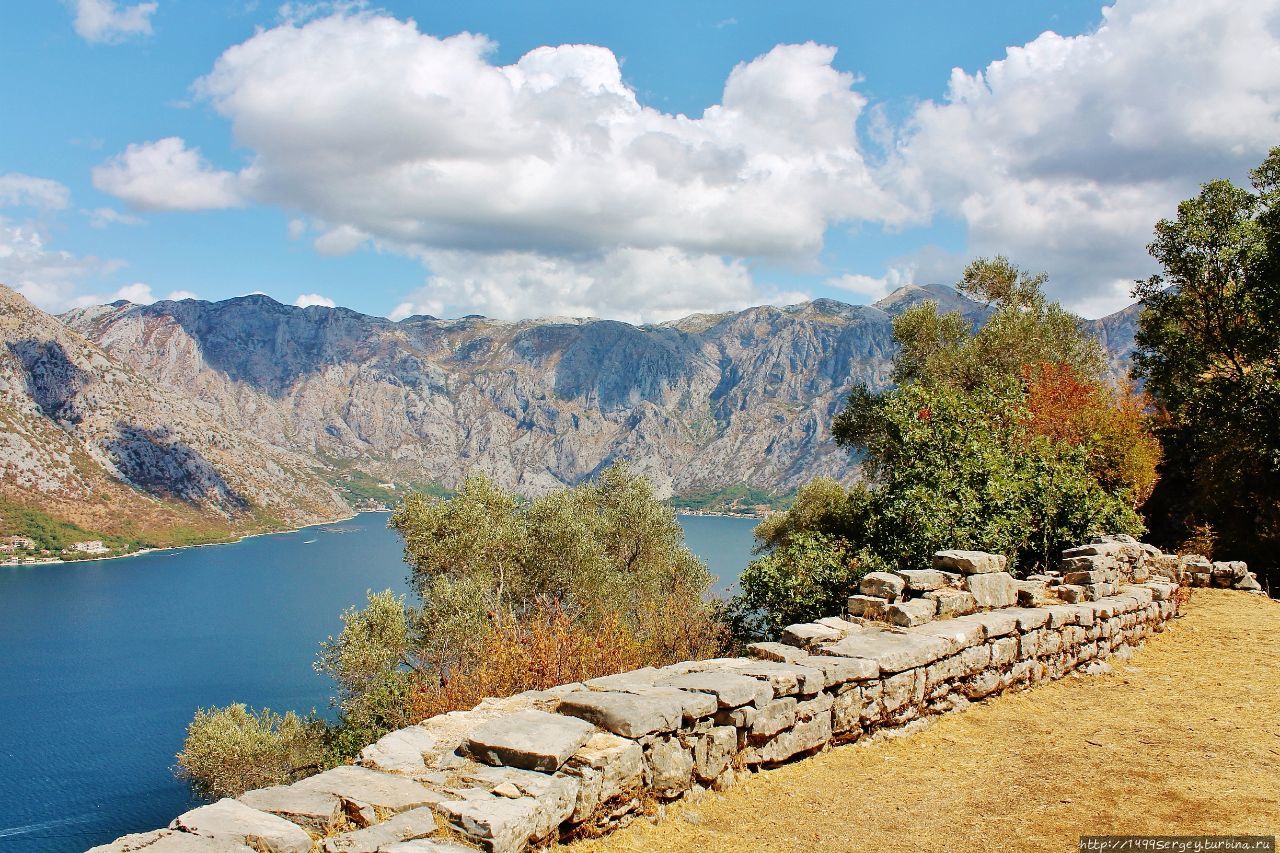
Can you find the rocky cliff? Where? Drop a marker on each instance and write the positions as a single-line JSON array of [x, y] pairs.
[[90, 440], [697, 404]]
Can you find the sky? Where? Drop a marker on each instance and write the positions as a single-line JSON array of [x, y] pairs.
[[638, 162]]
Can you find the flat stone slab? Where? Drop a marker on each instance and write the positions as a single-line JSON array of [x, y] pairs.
[[993, 589], [400, 751], [908, 614], [786, 679], [952, 602], [893, 652], [731, 690], [959, 633], [170, 841], [501, 824], [531, 740], [233, 821], [779, 652], [627, 714], [425, 846], [371, 788], [923, 580], [1029, 618], [882, 585], [694, 706], [969, 562], [406, 826], [996, 623], [806, 634], [840, 670], [303, 806]]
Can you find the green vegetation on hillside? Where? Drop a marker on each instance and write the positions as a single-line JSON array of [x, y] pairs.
[[738, 499]]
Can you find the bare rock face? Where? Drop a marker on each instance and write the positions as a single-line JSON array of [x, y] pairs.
[[84, 430]]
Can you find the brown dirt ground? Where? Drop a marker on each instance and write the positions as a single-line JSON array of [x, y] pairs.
[[1182, 739]]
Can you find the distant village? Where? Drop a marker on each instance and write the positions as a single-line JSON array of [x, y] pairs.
[[16, 550]]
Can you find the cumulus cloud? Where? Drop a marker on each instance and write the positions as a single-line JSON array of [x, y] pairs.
[[167, 175], [109, 22], [18, 190], [1066, 152], [871, 288], [305, 300], [50, 278]]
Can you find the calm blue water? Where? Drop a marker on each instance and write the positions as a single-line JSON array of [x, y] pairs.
[[103, 663]]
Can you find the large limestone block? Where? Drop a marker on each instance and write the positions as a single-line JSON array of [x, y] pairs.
[[714, 751], [884, 585], [805, 736], [786, 679], [170, 841], [406, 826], [1095, 549], [952, 602], [730, 689], [1071, 593], [607, 766], [694, 706], [808, 634], [1029, 618], [555, 795], [233, 821], [1031, 593], [1086, 577], [893, 652], [959, 633], [401, 751], [922, 580], [777, 652], [840, 670], [867, 606], [993, 589], [777, 715], [627, 714], [670, 766], [381, 791], [499, 824], [531, 740], [304, 806], [969, 562], [995, 623], [908, 614]]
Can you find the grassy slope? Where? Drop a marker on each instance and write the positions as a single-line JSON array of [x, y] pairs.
[[1183, 739]]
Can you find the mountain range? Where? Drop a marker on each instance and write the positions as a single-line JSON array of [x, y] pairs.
[[250, 409]]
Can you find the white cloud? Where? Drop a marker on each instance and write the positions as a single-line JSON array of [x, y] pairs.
[[167, 175], [635, 285], [342, 240], [18, 190], [1065, 153], [109, 22], [178, 295], [50, 278], [305, 300], [101, 217], [871, 288], [297, 228]]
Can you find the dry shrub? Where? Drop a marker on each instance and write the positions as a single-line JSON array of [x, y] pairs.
[[549, 647]]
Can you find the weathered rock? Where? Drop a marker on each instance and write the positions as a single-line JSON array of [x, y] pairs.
[[1248, 583], [670, 766], [995, 623], [778, 652], [969, 562], [952, 602], [400, 751], [500, 824], [1071, 593], [893, 652], [731, 690], [846, 711], [170, 841], [1031, 593], [882, 585], [838, 670], [993, 589], [626, 714], [694, 706], [807, 634], [608, 766], [1096, 549], [304, 806], [532, 740], [714, 751], [960, 634], [867, 606], [406, 826], [805, 736], [786, 679], [381, 791], [774, 717], [555, 795], [908, 614], [923, 580], [233, 821], [1087, 577], [424, 846]]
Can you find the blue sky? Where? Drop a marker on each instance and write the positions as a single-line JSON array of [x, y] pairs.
[[703, 156]]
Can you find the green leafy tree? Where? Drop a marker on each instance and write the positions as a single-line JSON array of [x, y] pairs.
[[231, 750], [1209, 354]]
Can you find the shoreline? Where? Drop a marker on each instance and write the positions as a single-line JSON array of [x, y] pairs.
[[141, 551]]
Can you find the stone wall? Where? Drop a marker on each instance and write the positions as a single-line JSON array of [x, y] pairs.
[[584, 759]]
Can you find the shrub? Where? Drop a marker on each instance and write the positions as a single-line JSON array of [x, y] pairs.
[[232, 750]]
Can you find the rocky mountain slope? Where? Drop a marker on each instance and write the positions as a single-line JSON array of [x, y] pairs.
[[698, 404], [91, 441]]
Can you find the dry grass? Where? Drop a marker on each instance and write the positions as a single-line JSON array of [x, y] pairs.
[[1183, 739]]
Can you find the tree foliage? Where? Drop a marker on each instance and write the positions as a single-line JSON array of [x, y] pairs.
[[1209, 354], [231, 750], [1009, 438]]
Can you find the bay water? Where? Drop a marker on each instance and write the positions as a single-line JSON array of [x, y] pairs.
[[103, 663]]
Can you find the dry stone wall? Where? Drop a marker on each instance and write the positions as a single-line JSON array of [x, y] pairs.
[[584, 759]]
